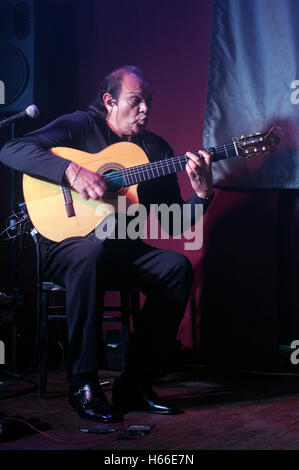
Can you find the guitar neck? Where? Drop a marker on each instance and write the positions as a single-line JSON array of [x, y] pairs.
[[152, 170]]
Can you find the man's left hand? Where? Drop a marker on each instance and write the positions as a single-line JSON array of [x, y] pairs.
[[200, 173]]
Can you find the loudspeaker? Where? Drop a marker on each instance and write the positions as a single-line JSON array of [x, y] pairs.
[[17, 55]]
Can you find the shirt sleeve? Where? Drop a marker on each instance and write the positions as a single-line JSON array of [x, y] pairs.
[[166, 191], [31, 154]]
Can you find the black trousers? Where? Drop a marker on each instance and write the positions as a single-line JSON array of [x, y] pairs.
[[85, 266]]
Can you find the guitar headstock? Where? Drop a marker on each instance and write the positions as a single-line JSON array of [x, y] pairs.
[[256, 145]]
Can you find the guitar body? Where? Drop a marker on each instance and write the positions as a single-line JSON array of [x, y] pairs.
[[45, 202], [58, 213]]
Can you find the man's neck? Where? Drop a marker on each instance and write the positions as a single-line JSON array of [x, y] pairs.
[[124, 137]]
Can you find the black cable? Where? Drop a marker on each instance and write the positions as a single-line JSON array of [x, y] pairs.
[[22, 225]]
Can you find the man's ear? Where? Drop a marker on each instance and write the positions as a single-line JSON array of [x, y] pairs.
[[108, 101]]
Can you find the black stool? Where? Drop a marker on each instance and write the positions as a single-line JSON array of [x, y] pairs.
[[129, 305]]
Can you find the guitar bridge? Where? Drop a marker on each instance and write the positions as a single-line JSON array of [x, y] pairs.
[[68, 201]]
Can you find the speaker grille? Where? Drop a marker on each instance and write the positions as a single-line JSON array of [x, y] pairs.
[[21, 20], [13, 72], [17, 55], [14, 20], [6, 21]]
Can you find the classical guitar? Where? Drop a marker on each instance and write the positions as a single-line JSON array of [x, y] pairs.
[[57, 212]]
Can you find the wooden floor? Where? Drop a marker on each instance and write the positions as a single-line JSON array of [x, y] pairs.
[[231, 411]]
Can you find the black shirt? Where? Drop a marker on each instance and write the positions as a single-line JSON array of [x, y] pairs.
[[86, 131]]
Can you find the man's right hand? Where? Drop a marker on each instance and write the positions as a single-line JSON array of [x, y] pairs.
[[88, 184]]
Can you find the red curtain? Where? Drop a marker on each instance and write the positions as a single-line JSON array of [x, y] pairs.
[[234, 313]]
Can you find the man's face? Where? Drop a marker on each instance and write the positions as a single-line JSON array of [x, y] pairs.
[[130, 113]]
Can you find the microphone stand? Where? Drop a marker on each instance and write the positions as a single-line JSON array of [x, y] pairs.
[[12, 206], [16, 377]]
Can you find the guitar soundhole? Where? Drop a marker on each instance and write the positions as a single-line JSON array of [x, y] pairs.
[[112, 173]]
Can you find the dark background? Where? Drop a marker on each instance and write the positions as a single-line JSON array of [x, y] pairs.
[[233, 314]]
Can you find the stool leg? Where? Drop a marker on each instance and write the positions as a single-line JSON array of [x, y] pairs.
[[135, 303], [125, 324], [14, 345], [43, 342]]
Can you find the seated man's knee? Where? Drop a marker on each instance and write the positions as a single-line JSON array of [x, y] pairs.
[[90, 254], [183, 267]]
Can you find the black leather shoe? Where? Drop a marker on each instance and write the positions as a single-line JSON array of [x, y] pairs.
[[129, 395], [91, 403]]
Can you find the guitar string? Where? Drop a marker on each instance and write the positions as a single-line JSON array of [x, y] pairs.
[[135, 171], [139, 170], [161, 164], [166, 162]]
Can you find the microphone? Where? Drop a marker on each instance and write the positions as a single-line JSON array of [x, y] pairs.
[[31, 112]]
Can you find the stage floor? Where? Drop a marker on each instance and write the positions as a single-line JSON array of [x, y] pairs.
[[231, 411]]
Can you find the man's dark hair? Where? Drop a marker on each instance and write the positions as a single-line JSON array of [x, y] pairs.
[[112, 84]]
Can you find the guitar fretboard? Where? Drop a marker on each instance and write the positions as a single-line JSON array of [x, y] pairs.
[[148, 171]]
